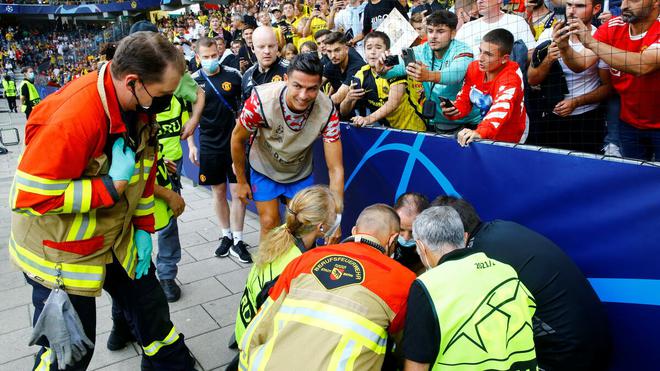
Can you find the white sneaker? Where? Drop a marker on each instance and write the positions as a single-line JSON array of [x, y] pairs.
[[612, 149]]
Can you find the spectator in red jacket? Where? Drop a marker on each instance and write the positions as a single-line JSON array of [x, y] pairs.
[[493, 84]]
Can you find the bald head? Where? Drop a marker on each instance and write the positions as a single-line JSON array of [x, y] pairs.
[[380, 221], [265, 46]]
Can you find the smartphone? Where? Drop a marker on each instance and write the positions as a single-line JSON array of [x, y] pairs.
[[408, 56], [317, 7], [560, 14], [446, 102], [357, 84], [391, 60]]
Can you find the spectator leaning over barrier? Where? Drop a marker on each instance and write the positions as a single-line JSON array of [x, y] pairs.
[[576, 122], [342, 67], [630, 45], [468, 308], [372, 99], [571, 331], [493, 85], [440, 65]]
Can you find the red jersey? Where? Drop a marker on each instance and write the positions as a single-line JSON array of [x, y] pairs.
[[500, 101], [640, 95], [251, 118]]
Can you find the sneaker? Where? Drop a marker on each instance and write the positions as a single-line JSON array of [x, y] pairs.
[[171, 290], [612, 149], [232, 342], [119, 338], [240, 251], [223, 250]]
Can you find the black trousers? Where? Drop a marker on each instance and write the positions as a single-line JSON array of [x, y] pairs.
[[12, 104], [145, 308], [583, 133]]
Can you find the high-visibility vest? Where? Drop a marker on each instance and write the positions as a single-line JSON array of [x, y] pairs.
[[256, 281], [77, 242], [9, 87], [162, 211], [33, 99], [485, 315], [171, 122]]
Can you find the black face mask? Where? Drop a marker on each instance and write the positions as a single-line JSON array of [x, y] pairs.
[[158, 104]]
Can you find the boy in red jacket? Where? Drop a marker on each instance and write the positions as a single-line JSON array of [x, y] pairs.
[[494, 84]]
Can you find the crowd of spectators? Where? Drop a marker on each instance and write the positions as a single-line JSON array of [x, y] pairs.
[[57, 54], [530, 95], [536, 91]]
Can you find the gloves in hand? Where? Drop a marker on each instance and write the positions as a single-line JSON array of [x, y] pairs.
[[61, 326], [143, 243], [122, 165]]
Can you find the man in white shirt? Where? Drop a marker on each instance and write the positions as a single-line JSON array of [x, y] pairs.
[[472, 32], [349, 20], [576, 123]]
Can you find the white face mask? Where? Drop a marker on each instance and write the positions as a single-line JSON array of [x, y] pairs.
[[423, 259], [334, 227]]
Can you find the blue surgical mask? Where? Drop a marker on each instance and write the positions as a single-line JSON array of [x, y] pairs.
[[406, 243], [30, 75], [210, 65]]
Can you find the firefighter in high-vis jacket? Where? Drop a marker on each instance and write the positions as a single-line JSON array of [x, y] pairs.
[[83, 201], [334, 307]]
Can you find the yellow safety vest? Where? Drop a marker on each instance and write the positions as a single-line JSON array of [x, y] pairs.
[[485, 315], [171, 122], [256, 281], [162, 211], [33, 97], [9, 87]]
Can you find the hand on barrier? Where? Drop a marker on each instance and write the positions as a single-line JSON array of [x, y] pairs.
[[144, 247], [123, 161]]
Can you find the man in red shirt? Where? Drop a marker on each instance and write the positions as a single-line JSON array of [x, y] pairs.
[[493, 84], [630, 45]]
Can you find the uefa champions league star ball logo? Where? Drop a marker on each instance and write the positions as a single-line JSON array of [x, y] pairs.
[[10, 9]]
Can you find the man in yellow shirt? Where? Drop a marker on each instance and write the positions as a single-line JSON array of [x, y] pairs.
[[318, 20]]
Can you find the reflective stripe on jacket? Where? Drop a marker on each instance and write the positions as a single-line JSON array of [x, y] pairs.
[[67, 219], [332, 308]]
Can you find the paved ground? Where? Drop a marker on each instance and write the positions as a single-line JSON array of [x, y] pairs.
[[211, 287]]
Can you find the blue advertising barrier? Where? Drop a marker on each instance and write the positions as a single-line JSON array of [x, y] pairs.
[[604, 214], [78, 9]]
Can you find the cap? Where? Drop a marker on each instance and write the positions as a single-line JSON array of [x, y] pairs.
[[143, 26]]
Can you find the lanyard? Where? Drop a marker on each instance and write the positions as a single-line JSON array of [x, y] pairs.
[[224, 101]]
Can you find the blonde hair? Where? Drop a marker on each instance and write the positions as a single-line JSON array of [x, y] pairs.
[[306, 210]]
